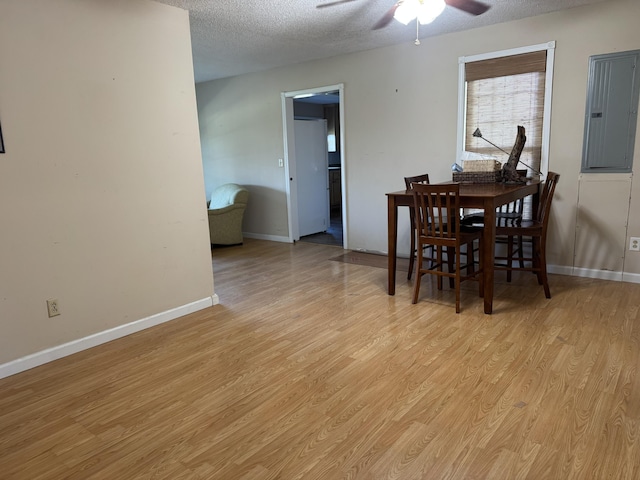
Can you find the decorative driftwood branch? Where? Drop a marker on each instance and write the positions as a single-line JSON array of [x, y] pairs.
[[509, 173]]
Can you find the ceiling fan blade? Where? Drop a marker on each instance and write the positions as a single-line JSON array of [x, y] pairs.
[[470, 6], [333, 4], [386, 18]]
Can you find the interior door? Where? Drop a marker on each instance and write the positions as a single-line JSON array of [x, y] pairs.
[[312, 169]]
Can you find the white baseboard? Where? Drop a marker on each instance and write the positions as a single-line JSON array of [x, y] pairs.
[[591, 273], [560, 269], [271, 238], [601, 274], [54, 353], [631, 277]]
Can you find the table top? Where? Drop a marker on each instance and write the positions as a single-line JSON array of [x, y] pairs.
[[477, 195], [482, 189]]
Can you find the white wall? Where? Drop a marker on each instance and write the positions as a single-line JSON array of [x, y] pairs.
[[102, 200], [400, 119]]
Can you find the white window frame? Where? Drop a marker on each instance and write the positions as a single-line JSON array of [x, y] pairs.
[[548, 87]]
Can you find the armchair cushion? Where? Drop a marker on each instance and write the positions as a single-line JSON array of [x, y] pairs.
[[226, 210]]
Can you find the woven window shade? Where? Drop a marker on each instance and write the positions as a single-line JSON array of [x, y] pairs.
[[504, 66], [503, 93]]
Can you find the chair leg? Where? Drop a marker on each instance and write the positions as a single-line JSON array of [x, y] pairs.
[[470, 259], [510, 241], [521, 250], [481, 269], [536, 260], [457, 281], [542, 269], [439, 266], [452, 257], [413, 253], [416, 284]]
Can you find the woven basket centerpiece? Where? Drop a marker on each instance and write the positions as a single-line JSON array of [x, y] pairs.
[[479, 171]]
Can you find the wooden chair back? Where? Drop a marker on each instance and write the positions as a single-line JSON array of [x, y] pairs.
[[546, 196], [408, 181], [435, 207], [423, 179]]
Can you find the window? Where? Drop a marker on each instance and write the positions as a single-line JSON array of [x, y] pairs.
[[498, 92]]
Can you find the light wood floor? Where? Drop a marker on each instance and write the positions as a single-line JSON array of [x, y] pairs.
[[309, 370]]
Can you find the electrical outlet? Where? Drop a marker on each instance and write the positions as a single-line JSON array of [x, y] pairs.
[[634, 244], [53, 308], [281, 162]]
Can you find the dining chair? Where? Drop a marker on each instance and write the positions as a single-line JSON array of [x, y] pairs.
[[508, 214], [424, 180], [436, 209], [535, 228]]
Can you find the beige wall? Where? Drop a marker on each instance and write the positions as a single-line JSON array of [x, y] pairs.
[[400, 119], [101, 189]]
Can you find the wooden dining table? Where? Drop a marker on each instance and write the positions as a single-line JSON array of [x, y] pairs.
[[485, 196]]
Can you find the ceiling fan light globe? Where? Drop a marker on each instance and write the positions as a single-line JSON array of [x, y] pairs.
[[407, 11], [429, 10]]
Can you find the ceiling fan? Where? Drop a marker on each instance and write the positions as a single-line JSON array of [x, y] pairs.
[[425, 11]]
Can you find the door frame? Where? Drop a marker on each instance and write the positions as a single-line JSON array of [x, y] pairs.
[[290, 158]]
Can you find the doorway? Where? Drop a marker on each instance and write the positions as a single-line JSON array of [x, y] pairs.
[[323, 104]]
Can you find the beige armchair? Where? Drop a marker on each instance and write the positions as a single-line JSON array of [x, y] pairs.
[[226, 209]]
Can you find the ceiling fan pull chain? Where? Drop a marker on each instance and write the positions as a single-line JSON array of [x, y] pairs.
[[417, 42]]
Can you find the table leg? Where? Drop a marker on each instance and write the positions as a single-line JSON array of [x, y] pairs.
[[488, 255], [392, 234]]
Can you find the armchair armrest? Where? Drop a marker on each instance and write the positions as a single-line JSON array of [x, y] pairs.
[[223, 210]]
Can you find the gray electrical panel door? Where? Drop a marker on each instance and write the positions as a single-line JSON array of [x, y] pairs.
[[611, 113]]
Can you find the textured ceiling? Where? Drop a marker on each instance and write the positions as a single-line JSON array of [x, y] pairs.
[[232, 37]]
